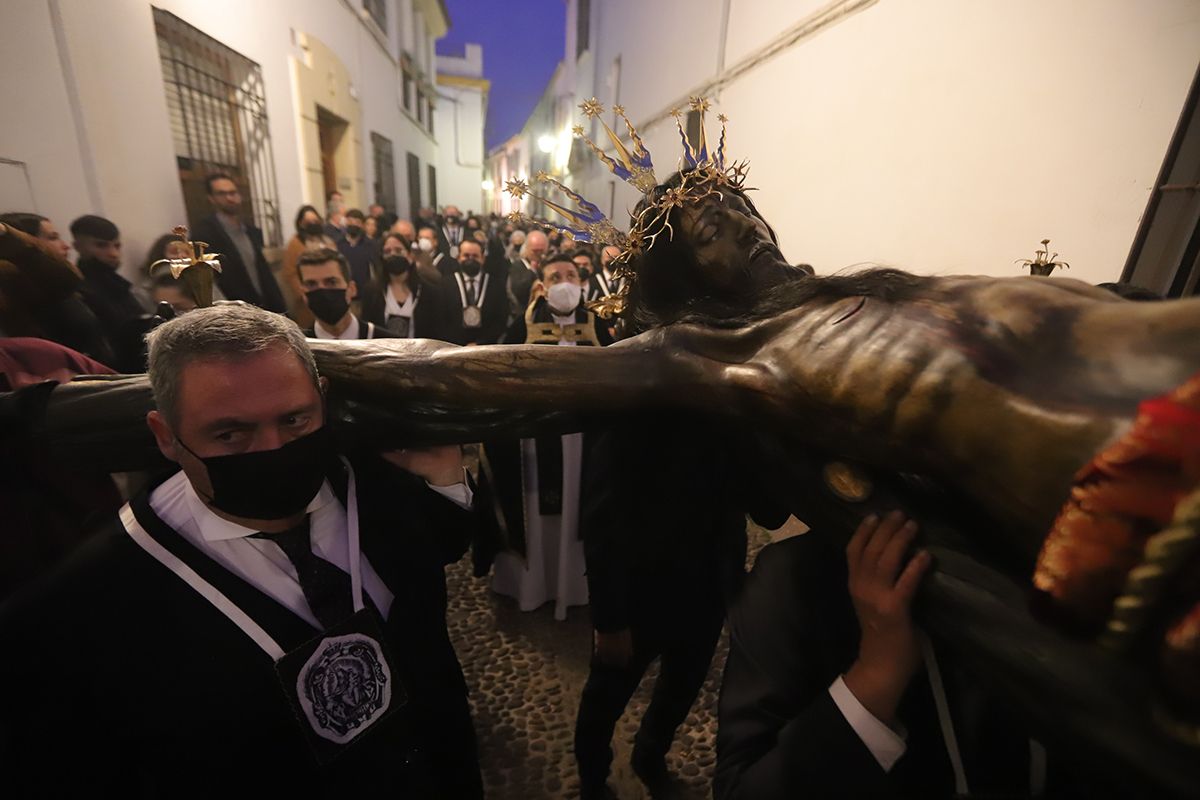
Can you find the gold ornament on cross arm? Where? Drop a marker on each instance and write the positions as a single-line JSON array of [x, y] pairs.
[[196, 271]]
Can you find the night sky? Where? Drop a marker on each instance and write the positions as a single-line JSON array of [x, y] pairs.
[[522, 42]]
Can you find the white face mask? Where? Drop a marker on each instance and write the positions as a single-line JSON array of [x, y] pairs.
[[564, 297], [426, 245]]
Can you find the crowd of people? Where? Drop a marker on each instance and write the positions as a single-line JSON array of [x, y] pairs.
[[267, 522], [348, 274]]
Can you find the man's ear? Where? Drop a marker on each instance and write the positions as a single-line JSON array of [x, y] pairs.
[[168, 445], [351, 290], [323, 382]]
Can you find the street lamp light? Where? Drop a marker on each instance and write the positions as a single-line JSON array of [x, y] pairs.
[[547, 142]]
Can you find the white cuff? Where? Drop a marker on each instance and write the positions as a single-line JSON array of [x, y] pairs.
[[884, 743], [457, 493]]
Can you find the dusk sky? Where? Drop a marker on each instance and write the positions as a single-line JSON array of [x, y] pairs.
[[522, 42]]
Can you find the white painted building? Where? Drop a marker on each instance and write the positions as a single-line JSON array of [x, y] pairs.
[[121, 107], [940, 136], [460, 115]]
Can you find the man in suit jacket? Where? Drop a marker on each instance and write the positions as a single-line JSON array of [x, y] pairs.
[[823, 694], [429, 243], [525, 270], [328, 289], [245, 274], [475, 310], [452, 232], [236, 627]]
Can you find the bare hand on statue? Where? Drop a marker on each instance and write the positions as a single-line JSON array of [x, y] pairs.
[[439, 466], [882, 584]]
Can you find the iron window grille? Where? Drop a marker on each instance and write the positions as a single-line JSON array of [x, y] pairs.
[[218, 113]]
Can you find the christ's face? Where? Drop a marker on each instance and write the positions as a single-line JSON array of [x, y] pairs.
[[728, 241]]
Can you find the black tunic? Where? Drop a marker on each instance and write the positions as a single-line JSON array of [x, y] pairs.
[[132, 684]]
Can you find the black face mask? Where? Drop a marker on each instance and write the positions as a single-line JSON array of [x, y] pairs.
[[354, 231], [313, 229], [328, 305], [470, 267], [270, 484], [452, 220], [396, 265]]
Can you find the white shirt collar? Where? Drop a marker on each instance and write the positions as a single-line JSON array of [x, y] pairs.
[[218, 529], [351, 331]]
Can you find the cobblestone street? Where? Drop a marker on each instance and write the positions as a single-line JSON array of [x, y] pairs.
[[526, 671]]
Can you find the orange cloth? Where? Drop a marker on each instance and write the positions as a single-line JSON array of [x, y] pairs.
[[1127, 493]]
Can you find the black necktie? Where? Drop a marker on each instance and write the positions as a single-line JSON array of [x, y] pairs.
[[326, 588], [472, 299]]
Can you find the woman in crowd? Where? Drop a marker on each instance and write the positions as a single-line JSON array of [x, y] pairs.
[[310, 234], [398, 298]]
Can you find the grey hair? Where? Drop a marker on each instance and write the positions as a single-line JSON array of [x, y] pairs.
[[525, 245], [225, 332]]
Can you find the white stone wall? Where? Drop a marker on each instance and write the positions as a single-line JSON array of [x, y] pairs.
[[85, 107], [459, 121], [936, 135]]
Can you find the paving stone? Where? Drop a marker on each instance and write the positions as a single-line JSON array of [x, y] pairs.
[[525, 672]]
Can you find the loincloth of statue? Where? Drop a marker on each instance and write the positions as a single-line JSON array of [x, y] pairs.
[[979, 403]]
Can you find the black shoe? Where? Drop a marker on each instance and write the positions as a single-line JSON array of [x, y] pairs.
[[652, 771]]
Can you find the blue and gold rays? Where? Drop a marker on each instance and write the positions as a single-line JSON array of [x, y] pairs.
[[696, 153], [705, 175], [584, 223], [634, 168]]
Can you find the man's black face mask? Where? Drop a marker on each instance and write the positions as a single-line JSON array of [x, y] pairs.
[[270, 484], [328, 305]]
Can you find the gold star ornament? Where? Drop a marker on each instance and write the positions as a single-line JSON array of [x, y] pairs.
[[517, 188], [591, 108]]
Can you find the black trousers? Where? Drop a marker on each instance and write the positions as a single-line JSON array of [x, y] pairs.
[[683, 636]]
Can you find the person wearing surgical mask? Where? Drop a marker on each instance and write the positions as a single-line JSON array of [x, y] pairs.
[[428, 246], [538, 481], [328, 292], [558, 298], [399, 298]]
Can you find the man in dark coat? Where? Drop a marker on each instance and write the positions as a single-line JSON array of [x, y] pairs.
[[107, 293], [525, 270], [831, 691], [474, 307], [328, 291], [237, 628], [665, 498], [245, 274]]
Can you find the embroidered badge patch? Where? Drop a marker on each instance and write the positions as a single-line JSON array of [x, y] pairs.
[[344, 687]]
